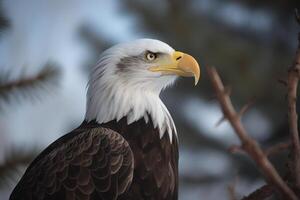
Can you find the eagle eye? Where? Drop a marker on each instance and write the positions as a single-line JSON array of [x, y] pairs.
[[150, 56]]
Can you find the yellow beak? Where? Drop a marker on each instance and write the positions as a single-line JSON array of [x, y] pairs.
[[181, 64]]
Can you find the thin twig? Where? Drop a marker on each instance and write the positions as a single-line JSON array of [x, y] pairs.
[[293, 79], [248, 144], [232, 189], [277, 148], [283, 82], [236, 149], [245, 108], [221, 120]]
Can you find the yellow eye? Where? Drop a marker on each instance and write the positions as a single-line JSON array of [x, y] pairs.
[[150, 56]]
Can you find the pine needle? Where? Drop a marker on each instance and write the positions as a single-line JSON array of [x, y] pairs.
[[4, 23], [9, 168], [29, 87]]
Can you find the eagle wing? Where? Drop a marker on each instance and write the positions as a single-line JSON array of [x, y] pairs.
[[96, 163]]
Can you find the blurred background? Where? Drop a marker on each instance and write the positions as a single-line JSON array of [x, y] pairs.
[[48, 46]]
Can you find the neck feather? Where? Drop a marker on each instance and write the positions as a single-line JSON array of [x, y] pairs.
[[113, 103]]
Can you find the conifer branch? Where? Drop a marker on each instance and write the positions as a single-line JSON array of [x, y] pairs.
[[28, 87], [14, 159], [4, 23]]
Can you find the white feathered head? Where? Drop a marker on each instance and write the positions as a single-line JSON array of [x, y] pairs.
[[129, 77]]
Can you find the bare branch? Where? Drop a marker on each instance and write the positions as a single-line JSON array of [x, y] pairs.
[[221, 120], [245, 108], [227, 90], [277, 148], [232, 189], [248, 144], [283, 82], [293, 79], [236, 149]]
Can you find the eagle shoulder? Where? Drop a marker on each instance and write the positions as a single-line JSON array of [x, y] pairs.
[[96, 163]]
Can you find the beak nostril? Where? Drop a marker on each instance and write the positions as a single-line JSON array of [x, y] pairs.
[[178, 58]]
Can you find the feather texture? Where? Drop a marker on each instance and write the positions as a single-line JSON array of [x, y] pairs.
[[156, 160], [89, 164], [111, 161]]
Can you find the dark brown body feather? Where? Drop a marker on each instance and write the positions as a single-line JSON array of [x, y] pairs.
[[104, 162]]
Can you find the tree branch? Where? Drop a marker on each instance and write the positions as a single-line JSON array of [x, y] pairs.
[[293, 79], [231, 189], [249, 145], [277, 148], [15, 158], [47, 77]]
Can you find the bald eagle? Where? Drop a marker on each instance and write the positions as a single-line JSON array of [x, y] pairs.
[[127, 146]]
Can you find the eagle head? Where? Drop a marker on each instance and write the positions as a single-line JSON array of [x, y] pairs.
[[128, 78]]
